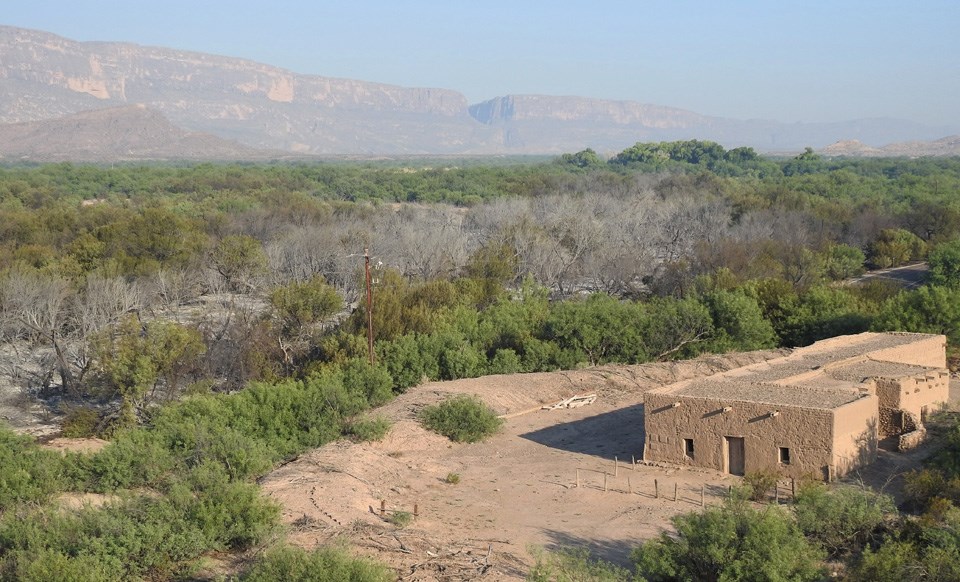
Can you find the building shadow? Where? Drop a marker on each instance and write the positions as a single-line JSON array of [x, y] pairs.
[[618, 433]]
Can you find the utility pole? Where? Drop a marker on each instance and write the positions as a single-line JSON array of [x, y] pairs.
[[366, 262]]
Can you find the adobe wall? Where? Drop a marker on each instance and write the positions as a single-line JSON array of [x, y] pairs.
[[808, 433], [910, 394], [923, 351], [855, 434]]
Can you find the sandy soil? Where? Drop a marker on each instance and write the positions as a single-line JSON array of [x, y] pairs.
[[517, 490]]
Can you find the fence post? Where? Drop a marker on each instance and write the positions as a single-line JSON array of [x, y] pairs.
[[616, 467], [383, 507], [629, 486], [793, 488], [633, 462], [416, 510], [776, 492], [578, 478], [604, 481], [656, 489], [675, 486], [702, 487]]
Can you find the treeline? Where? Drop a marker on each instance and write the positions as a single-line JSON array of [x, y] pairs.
[[136, 298]]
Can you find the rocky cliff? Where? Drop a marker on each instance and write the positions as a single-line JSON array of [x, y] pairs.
[[45, 77]]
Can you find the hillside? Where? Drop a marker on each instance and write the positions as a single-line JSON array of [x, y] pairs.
[[45, 77], [129, 133], [948, 146]]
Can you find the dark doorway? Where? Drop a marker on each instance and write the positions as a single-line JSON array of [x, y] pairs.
[[734, 455]]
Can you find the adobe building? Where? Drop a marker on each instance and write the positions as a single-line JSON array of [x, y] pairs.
[[818, 411]]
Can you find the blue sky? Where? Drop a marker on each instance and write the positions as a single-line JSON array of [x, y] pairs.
[[803, 60]]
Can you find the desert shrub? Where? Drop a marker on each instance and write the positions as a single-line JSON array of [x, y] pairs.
[[322, 565], [760, 483], [462, 418], [367, 429], [135, 458], [843, 520], [229, 514], [401, 519], [27, 472], [730, 542], [80, 422], [574, 565], [452, 478]]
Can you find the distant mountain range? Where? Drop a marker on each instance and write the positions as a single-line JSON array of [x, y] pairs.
[[98, 101]]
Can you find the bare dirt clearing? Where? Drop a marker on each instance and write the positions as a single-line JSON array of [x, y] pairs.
[[516, 490]]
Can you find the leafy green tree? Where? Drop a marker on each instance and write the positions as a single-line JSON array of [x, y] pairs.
[[137, 359], [896, 246], [843, 262], [843, 521], [944, 262], [599, 329], [300, 305], [929, 309], [239, 259], [676, 328], [584, 159], [819, 313], [738, 323]]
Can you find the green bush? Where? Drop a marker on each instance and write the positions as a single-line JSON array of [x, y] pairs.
[[731, 542], [401, 519], [322, 565], [452, 478], [461, 419], [80, 422], [27, 472], [760, 483], [573, 565], [367, 429], [843, 520]]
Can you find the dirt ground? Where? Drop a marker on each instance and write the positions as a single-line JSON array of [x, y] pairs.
[[516, 491]]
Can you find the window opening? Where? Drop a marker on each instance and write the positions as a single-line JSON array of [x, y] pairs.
[[784, 456]]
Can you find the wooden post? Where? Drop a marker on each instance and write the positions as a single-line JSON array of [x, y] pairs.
[[702, 487], [578, 478], [416, 510], [633, 462], [616, 467], [629, 486], [793, 488], [604, 481], [383, 506], [656, 489], [776, 492], [729, 490], [675, 486]]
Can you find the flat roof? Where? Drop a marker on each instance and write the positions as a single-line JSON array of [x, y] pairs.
[[825, 375]]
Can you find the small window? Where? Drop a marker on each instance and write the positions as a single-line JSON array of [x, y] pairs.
[[784, 456], [688, 447]]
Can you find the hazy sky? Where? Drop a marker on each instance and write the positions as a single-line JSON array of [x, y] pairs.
[[802, 60]]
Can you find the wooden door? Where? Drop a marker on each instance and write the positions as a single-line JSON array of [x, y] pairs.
[[735, 455]]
